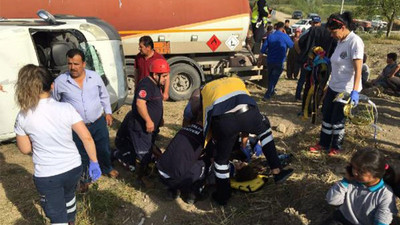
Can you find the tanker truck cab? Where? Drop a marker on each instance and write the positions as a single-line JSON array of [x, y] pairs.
[[45, 42]]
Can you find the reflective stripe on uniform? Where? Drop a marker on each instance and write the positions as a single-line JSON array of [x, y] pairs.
[[325, 124], [266, 140], [70, 203], [261, 135], [326, 131], [336, 132], [219, 100], [71, 210], [222, 175], [163, 174], [336, 126], [221, 167], [221, 171]]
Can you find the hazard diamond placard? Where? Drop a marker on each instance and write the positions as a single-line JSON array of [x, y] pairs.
[[232, 42], [213, 43]]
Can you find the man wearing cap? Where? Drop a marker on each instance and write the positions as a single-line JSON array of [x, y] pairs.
[[147, 112], [316, 21]]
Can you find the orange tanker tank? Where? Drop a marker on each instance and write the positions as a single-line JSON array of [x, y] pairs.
[[197, 37], [176, 21]]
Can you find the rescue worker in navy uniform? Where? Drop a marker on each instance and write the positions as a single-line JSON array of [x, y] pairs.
[[147, 111], [228, 110], [182, 166], [259, 16], [124, 151]]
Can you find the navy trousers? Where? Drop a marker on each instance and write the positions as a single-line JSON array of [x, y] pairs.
[[57, 195], [225, 130], [100, 135], [332, 131]]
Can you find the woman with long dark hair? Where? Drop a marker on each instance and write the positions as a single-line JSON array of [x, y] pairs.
[[346, 64]]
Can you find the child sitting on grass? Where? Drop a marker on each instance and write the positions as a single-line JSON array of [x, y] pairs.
[[364, 195]]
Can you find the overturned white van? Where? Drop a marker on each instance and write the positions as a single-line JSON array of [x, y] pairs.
[[45, 42]]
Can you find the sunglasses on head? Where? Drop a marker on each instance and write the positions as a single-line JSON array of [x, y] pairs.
[[338, 21]]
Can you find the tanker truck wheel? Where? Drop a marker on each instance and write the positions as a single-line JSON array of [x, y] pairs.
[[184, 79]]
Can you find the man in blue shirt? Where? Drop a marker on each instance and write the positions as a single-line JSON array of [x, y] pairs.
[[85, 90], [275, 46]]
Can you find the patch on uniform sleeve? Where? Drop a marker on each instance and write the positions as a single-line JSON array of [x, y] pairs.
[[142, 94]]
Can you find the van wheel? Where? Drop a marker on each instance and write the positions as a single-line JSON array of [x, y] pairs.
[[130, 80], [130, 77], [184, 79]]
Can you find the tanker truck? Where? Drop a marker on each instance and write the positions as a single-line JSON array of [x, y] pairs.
[[198, 38]]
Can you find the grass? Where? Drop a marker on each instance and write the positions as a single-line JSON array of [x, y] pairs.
[[380, 38]]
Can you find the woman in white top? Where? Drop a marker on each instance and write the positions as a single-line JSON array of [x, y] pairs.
[[346, 77], [44, 128]]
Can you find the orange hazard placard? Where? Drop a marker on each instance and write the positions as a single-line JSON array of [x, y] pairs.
[[213, 43], [162, 47]]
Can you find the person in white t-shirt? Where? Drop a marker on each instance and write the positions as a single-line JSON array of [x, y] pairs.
[[346, 62], [44, 128]]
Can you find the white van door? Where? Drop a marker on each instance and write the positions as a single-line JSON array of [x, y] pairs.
[[16, 50]]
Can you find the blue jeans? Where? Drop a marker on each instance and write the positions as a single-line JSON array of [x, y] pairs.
[[57, 195], [274, 72], [99, 133]]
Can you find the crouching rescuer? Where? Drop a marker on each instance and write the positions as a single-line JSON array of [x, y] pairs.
[[184, 164], [228, 110]]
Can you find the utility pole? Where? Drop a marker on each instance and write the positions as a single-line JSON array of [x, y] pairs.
[[341, 8]]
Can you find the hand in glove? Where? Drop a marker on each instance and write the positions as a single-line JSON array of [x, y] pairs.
[[354, 97], [94, 170], [258, 150], [247, 152]]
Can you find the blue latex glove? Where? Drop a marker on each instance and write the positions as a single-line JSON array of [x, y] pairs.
[[354, 97], [94, 170], [247, 153], [258, 150]]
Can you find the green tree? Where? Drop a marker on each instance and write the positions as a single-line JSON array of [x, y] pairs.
[[390, 9]]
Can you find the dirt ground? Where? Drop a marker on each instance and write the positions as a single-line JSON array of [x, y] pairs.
[[300, 200]]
